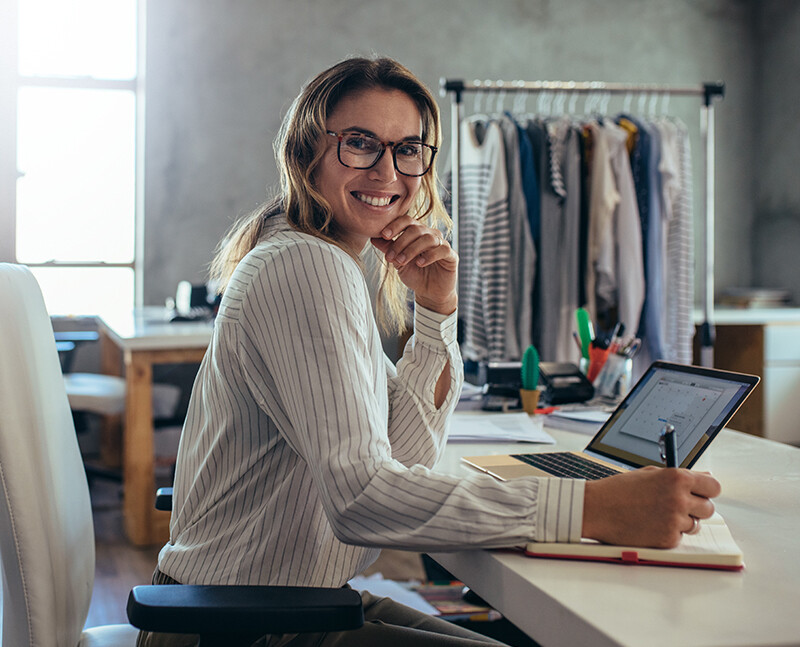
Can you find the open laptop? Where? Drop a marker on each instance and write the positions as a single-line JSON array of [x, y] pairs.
[[696, 401]]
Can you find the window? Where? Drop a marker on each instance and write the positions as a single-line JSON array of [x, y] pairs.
[[78, 103]]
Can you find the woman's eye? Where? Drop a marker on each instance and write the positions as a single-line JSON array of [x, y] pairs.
[[359, 143], [409, 150]]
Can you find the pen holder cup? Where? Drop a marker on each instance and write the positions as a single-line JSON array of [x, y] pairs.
[[614, 379], [530, 399], [583, 366]]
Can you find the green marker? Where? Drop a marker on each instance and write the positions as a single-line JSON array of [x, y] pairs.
[[585, 330]]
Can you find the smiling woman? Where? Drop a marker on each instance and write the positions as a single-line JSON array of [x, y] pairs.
[[364, 199], [378, 105], [305, 449]]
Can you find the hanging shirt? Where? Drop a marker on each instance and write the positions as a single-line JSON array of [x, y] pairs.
[[560, 220], [523, 256], [679, 329], [603, 200], [530, 183], [537, 136], [615, 233], [569, 244], [645, 163], [551, 250], [484, 241]]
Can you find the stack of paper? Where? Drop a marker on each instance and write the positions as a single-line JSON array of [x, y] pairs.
[[584, 421], [498, 427]]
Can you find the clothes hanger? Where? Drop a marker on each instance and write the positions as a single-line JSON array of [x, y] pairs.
[[626, 103], [641, 103], [573, 103], [520, 102], [500, 103], [558, 103], [604, 100], [477, 102], [653, 106]]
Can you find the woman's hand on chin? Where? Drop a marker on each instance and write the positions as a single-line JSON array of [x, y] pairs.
[[425, 262]]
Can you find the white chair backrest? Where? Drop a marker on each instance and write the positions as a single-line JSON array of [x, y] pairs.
[[46, 531]]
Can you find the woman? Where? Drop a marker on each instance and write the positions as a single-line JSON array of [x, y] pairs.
[[304, 449]]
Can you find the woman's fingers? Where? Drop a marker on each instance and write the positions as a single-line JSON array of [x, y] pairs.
[[411, 241], [705, 485], [425, 262], [648, 507]]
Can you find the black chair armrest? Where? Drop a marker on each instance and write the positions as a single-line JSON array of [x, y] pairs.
[[247, 610], [164, 499]]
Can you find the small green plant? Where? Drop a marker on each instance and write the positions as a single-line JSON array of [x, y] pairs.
[[530, 368]]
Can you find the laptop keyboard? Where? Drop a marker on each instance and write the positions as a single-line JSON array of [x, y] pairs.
[[567, 465]]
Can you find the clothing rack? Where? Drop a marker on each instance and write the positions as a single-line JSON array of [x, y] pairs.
[[707, 91]]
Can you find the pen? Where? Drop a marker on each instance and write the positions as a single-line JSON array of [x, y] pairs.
[[616, 337], [669, 448]]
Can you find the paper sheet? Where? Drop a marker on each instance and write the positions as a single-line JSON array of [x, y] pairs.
[[376, 585], [586, 421], [498, 427]]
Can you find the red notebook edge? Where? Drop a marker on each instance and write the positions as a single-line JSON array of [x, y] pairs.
[[631, 558]]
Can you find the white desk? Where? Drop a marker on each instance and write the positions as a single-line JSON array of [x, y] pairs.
[[145, 338], [559, 602]]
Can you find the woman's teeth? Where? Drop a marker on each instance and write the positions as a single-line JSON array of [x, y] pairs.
[[375, 202]]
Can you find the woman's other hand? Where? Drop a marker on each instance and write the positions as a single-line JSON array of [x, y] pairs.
[[649, 507], [425, 262]]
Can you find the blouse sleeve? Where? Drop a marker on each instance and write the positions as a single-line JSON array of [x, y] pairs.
[[417, 428], [308, 352]]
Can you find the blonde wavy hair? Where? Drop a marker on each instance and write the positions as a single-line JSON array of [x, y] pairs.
[[299, 147]]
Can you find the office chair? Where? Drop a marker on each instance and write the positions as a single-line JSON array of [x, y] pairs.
[[46, 528], [95, 394]]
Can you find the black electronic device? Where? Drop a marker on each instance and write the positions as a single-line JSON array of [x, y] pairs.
[[503, 381], [193, 303], [564, 383]]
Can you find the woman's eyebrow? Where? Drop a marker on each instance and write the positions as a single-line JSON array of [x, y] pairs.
[[367, 131]]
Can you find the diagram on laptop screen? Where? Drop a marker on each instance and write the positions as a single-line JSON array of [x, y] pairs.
[[682, 405]]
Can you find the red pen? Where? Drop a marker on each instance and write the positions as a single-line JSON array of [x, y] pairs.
[[546, 410]]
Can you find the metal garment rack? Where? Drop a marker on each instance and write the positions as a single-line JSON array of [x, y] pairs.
[[708, 92]]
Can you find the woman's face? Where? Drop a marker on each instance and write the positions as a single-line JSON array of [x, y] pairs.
[[364, 201]]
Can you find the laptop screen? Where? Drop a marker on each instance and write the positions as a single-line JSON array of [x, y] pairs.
[[696, 401]]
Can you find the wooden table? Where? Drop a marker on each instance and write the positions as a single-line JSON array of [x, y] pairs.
[[560, 602], [144, 338]]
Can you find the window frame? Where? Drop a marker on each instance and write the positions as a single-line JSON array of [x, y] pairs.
[[11, 81]]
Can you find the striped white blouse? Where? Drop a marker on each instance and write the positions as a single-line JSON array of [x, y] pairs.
[[305, 450]]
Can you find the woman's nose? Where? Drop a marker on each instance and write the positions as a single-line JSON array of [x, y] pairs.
[[384, 168]]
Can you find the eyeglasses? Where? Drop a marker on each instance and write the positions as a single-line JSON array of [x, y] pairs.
[[360, 151]]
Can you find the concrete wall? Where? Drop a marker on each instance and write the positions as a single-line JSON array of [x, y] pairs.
[[776, 225], [221, 73]]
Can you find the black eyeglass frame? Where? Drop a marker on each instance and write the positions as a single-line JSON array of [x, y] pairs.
[[392, 145]]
